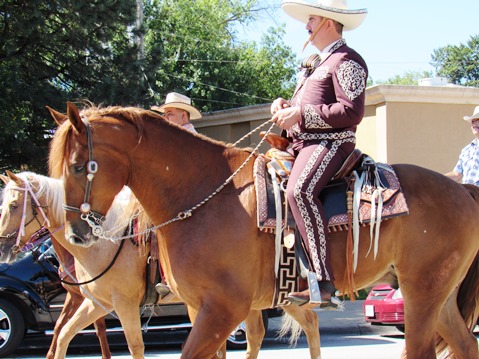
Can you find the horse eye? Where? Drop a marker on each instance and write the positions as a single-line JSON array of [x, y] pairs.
[[13, 206], [78, 169]]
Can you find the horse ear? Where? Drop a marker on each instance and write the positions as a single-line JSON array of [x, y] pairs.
[[14, 177], [74, 116], [4, 178], [57, 116]]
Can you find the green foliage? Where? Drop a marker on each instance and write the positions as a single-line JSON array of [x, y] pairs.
[[459, 63], [67, 50], [408, 78], [51, 51], [192, 49]]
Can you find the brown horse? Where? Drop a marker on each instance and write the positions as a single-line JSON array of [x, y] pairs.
[[221, 265], [118, 289], [94, 260]]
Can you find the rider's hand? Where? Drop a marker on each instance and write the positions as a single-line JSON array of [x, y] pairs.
[[279, 104], [287, 117]]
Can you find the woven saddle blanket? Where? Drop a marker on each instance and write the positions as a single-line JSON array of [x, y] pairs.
[[334, 196]]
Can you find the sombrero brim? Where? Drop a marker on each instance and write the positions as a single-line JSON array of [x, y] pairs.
[[471, 118], [194, 113], [301, 11]]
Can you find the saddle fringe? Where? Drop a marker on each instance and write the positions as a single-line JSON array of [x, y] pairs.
[[349, 285]]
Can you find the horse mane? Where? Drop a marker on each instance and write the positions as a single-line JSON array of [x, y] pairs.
[[51, 188], [134, 115]]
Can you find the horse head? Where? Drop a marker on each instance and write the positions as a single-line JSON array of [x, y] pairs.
[[76, 156], [20, 217]]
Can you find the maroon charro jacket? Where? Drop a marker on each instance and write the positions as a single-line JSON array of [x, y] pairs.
[[331, 95]]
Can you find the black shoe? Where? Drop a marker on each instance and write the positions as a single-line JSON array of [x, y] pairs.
[[162, 289]]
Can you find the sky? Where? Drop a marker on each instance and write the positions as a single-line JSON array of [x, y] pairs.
[[396, 36]]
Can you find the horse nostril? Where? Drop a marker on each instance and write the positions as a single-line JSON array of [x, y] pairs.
[[74, 239]]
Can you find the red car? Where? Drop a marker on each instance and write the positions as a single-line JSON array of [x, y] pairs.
[[384, 306]]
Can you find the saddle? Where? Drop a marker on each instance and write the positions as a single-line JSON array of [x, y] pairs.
[[362, 192]]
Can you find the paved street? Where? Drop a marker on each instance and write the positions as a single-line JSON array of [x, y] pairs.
[[343, 335]]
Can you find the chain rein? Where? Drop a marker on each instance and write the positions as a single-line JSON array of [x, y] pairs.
[[188, 213]]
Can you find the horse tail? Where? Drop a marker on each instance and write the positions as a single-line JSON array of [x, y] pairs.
[[291, 327], [468, 294]]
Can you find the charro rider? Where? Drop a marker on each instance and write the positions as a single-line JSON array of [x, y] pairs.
[[321, 121]]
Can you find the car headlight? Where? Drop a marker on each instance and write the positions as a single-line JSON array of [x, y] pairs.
[[397, 294]]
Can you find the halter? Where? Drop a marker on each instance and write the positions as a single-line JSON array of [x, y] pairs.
[[35, 205], [92, 218]]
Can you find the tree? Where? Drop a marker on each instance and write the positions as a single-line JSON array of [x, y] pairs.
[[192, 48], [51, 51], [459, 63], [104, 51], [408, 78]]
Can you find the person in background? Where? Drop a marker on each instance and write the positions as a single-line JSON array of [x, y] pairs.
[[321, 120], [177, 109], [467, 167]]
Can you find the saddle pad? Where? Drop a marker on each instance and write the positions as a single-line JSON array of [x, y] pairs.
[[286, 280], [266, 213], [333, 198]]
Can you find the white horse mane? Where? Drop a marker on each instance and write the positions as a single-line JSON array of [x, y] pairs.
[[117, 218]]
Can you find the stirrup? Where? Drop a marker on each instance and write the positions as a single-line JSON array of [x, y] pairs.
[[162, 289]]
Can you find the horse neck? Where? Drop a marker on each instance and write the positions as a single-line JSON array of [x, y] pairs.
[[174, 169]]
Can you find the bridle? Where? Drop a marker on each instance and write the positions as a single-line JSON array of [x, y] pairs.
[[92, 218], [35, 204]]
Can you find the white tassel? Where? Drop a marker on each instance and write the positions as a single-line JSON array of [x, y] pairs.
[[356, 201]]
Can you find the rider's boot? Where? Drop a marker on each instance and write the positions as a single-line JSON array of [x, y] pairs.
[[328, 296]]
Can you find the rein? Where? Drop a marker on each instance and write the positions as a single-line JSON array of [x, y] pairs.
[[99, 275], [95, 219]]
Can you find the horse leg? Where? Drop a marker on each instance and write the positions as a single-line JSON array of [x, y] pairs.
[[71, 304], [254, 333], [131, 323], [86, 314], [100, 328], [453, 329], [420, 318], [212, 324], [308, 320]]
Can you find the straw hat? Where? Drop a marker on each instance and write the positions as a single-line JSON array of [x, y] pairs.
[[332, 9], [176, 100], [475, 115]]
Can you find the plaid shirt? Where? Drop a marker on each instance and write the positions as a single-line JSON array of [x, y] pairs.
[[468, 164]]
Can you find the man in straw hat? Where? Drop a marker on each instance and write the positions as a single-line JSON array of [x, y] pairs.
[[177, 109], [467, 168], [321, 121]]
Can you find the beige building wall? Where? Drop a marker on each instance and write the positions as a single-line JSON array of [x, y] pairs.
[[421, 125]]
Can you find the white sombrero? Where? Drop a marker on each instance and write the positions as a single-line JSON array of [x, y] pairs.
[[332, 9], [475, 115], [176, 100]]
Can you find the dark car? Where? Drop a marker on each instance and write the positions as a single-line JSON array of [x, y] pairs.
[[384, 306], [32, 297]]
